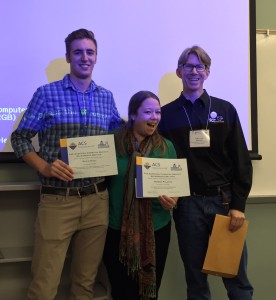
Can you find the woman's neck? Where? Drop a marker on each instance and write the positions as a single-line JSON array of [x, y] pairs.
[[138, 140]]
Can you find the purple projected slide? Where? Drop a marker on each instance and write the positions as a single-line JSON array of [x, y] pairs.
[[139, 43]]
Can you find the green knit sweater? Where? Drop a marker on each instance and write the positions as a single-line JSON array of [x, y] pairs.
[[116, 185]]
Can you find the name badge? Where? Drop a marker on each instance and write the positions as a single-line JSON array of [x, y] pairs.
[[200, 138]]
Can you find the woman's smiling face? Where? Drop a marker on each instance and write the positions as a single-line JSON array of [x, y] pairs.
[[147, 118]]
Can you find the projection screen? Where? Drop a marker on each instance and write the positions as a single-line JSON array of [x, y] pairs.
[[139, 43]]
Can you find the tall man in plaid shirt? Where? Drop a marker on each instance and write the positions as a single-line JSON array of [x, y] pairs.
[[70, 210]]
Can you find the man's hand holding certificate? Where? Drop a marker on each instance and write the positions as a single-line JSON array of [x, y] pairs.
[[157, 176], [90, 156]]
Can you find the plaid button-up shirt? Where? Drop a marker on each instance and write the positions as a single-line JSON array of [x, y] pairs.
[[58, 110]]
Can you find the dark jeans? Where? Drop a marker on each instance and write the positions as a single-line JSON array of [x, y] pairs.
[[123, 287], [194, 218]]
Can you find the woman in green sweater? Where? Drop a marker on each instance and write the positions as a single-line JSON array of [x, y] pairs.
[[139, 229]]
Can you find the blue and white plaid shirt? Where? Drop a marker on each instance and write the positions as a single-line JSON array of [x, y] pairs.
[[58, 110]]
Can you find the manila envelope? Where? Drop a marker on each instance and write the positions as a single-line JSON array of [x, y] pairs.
[[225, 248]]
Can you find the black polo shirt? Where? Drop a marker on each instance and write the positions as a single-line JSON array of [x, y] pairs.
[[226, 161]]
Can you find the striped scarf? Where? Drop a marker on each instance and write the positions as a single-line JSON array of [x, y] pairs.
[[137, 244]]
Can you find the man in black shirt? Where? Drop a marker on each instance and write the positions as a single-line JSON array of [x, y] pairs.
[[207, 131]]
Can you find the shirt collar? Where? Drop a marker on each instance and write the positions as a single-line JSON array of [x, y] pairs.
[[204, 99], [68, 84]]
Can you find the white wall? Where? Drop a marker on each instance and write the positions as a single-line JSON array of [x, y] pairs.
[[265, 170]]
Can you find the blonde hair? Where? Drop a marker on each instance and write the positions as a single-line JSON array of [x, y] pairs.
[[201, 54]]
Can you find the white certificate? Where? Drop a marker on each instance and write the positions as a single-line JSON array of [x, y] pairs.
[[90, 156], [161, 176]]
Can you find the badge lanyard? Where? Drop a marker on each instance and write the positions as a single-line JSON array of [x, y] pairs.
[[199, 138], [85, 109]]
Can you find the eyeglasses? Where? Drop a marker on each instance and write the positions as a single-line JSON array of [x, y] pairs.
[[189, 67]]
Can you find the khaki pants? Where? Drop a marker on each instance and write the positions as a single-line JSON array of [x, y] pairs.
[[62, 219]]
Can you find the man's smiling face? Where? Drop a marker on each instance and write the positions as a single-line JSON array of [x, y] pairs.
[[82, 58], [192, 80]]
